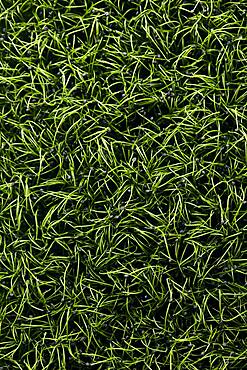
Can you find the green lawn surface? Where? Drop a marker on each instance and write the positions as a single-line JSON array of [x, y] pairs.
[[123, 208]]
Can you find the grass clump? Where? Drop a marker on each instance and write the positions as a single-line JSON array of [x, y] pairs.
[[123, 185]]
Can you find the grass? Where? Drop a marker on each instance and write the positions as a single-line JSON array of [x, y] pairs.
[[123, 185]]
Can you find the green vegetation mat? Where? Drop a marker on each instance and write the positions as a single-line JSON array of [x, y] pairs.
[[123, 209]]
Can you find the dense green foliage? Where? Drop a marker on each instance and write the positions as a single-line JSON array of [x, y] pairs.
[[123, 209]]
